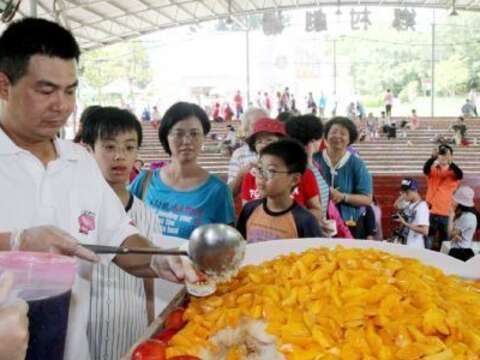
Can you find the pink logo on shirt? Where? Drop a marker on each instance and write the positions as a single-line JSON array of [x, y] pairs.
[[86, 222]]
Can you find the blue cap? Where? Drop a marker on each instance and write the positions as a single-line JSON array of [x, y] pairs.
[[409, 184]]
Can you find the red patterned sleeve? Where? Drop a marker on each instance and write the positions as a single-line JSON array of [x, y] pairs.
[[248, 184], [309, 185]]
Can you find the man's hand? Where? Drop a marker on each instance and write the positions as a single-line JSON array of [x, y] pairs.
[[13, 323], [435, 152], [51, 239], [173, 268]]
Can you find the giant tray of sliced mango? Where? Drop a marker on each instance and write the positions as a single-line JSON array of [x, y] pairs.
[[330, 299]]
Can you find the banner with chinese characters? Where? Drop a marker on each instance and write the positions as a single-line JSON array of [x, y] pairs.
[[403, 20]]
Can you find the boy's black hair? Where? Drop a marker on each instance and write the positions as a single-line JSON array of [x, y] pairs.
[[291, 152], [344, 122], [107, 122], [83, 117], [86, 113], [284, 116], [304, 128], [178, 112], [33, 36]]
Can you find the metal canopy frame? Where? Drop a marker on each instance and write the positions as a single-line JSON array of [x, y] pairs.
[[97, 23]]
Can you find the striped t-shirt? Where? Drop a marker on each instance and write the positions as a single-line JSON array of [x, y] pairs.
[[322, 188], [241, 157], [118, 313]]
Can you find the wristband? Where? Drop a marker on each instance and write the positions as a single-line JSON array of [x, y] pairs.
[[345, 197], [16, 239]]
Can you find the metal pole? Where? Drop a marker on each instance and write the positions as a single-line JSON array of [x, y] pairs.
[[247, 44], [33, 8], [334, 66], [432, 109]]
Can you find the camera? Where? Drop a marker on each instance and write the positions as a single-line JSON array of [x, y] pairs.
[[400, 232], [399, 215], [444, 150]]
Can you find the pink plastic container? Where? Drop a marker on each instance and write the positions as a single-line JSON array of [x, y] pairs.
[[45, 282]]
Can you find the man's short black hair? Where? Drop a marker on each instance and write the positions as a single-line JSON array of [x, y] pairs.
[[107, 122], [344, 122], [178, 112], [304, 128], [32, 36], [444, 148], [291, 152]]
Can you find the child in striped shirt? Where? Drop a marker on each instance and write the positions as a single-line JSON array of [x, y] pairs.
[[121, 304]]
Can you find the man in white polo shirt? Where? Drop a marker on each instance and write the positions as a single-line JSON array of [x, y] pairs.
[[53, 194]]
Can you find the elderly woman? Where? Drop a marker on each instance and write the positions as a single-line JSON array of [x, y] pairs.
[[346, 174], [183, 194], [243, 158]]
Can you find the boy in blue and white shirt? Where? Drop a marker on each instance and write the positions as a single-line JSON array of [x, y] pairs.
[[121, 305]]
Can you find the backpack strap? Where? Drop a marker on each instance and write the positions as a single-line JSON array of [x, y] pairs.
[[145, 184]]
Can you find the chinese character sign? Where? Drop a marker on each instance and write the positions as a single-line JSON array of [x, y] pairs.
[[359, 17], [404, 19], [272, 23], [316, 21]]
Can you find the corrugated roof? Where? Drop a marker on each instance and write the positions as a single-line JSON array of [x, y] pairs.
[[96, 23]]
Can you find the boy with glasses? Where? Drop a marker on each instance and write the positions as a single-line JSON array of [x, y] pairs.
[[278, 216], [118, 299]]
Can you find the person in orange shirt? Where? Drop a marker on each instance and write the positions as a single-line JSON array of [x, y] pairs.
[[443, 178]]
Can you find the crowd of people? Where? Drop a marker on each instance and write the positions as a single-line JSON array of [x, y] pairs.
[[293, 176]]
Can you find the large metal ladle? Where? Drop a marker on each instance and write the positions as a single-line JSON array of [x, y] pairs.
[[214, 249]]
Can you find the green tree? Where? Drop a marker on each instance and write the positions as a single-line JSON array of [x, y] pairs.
[[383, 57], [128, 61], [453, 76]]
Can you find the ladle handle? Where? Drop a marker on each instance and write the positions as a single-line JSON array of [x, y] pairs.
[[121, 250]]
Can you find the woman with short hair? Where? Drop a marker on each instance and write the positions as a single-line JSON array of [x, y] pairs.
[[346, 174], [183, 194]]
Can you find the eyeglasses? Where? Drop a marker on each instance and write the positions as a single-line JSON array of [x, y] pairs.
[[179, 135], [265, 141], [116, 149], [267, 174]]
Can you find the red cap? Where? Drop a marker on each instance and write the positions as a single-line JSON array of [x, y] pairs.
[[269, 125]]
